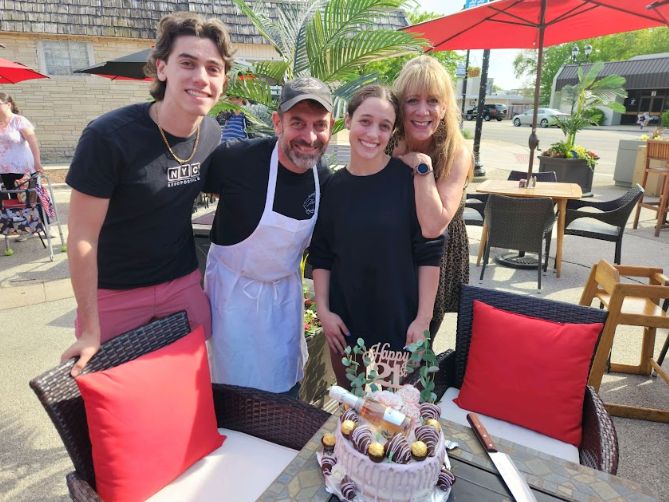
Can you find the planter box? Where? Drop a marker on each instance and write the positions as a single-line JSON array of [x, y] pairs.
[[569, 171], [626, 160], [318, 374]]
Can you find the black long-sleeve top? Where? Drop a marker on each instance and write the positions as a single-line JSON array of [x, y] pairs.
[[368, 236]]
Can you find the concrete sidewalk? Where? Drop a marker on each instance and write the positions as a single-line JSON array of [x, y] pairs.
[[37, 312]]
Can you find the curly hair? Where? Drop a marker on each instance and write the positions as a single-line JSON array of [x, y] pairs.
[[426, 74], [180, 24]]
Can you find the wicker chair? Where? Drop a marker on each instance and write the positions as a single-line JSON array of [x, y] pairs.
[[518, 223], [608, 223], [281, 420], [477, 201], [599, 447]]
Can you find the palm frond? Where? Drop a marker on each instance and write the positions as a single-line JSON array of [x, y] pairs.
[[256, 90], [349, 54], [264, 24], [273, 70], [343, 94]]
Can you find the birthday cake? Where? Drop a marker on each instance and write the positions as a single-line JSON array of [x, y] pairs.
[[364, 463]]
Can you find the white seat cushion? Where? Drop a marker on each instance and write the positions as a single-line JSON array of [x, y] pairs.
[[500, 428], [240, 470]]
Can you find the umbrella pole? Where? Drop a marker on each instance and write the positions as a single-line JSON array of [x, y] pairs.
[[534, 140]]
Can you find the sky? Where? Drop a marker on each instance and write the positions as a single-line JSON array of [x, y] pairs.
[[501, 60]]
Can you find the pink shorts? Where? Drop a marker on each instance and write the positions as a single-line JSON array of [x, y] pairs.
[[122, 310]]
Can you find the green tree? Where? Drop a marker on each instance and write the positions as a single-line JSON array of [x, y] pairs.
[[331, 40], [618, 47]]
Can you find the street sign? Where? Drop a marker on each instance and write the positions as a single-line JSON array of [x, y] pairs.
[[474, 3], [460, 71]]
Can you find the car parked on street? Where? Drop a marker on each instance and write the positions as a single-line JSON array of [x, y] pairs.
[[489, 112], [543, 117]]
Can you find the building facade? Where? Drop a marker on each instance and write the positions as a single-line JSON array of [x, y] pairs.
[[646, 83], [56, 37]]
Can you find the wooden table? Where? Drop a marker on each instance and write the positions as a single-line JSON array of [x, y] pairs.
[[559, 192], [550, 478]]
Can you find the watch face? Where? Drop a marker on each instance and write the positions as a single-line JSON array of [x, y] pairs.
[[422, 169]]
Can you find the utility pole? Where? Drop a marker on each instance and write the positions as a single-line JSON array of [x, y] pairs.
[[478, 166], [464, 93]]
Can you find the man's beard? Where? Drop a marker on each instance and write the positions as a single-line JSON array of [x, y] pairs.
[[301, 160]]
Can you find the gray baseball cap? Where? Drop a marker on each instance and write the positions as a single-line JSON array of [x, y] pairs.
[[305, 88]]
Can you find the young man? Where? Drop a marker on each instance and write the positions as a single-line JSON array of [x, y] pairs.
[[134, 176], [270, 190]]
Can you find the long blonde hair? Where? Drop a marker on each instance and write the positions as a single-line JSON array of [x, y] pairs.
[[425, 73]]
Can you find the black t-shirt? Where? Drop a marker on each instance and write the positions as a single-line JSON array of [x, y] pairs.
[[240, 173], [147, 237], [368, 236]]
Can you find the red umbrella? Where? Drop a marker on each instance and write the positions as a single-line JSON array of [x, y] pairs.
[[11, 73], [535, 24]]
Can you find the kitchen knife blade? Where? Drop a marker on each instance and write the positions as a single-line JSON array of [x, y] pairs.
[[507, 469]]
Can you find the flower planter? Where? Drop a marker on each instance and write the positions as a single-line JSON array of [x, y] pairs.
[[318, 374], [569, 171]]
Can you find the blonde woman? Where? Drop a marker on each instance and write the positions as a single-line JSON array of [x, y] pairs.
[[429, 141]]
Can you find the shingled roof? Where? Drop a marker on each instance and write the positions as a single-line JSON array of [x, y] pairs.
[[640, 73], [136, 18]]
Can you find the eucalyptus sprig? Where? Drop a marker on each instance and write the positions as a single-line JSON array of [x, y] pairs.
[[359, 379], [424, 359]]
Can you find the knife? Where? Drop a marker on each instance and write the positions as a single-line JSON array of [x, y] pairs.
[[507, 469]]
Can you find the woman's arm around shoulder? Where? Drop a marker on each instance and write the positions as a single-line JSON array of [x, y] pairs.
[[438, 201]]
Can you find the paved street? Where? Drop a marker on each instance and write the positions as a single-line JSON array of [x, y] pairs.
[[603, 141]]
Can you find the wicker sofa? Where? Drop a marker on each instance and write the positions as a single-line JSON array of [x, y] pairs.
[[280, 420], [599, 448]]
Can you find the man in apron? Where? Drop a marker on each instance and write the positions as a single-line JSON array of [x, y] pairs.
[[269, 196]]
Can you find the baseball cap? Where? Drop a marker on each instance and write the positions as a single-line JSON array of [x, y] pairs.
[[305, 88]]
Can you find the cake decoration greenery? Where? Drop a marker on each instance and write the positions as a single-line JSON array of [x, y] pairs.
[[422, 359]]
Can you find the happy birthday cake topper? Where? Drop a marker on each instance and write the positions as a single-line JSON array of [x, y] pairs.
[[390, 365], [385, 368]]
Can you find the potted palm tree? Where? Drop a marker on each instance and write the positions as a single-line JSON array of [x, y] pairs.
[[574, 163], [332, 40]]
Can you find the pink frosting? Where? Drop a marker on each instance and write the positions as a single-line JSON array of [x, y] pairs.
[[387, 481]]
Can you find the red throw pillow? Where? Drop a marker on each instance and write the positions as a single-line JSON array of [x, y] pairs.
[[528, 371], [150, 419]]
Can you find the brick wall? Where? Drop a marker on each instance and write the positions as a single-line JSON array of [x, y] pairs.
[[61, 106]]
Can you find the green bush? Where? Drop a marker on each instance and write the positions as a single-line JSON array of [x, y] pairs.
[[665, 119], [595, 115]]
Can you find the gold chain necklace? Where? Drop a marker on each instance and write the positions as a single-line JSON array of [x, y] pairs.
[[162, 133]]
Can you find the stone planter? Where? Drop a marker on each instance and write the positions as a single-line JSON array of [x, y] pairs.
[[318, 374], [569, 171]]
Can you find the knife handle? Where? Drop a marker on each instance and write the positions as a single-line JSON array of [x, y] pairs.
[[481, 432]]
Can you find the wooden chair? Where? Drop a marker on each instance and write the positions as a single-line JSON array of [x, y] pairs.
[[633, 305], [599, 447], [281, 420], [656, 150]]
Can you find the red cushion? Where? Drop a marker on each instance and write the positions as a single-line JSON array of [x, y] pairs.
[[150, 419], [528, 371]]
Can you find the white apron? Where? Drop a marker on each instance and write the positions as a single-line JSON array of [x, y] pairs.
[[257, 303]]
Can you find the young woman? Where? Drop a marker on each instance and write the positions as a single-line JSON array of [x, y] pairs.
[[375, 275], [428, 136]]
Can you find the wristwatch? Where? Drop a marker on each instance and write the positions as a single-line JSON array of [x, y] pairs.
[[422, 169]]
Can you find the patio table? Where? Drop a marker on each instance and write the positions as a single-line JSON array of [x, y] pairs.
[[549, 477], [559, 192]]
